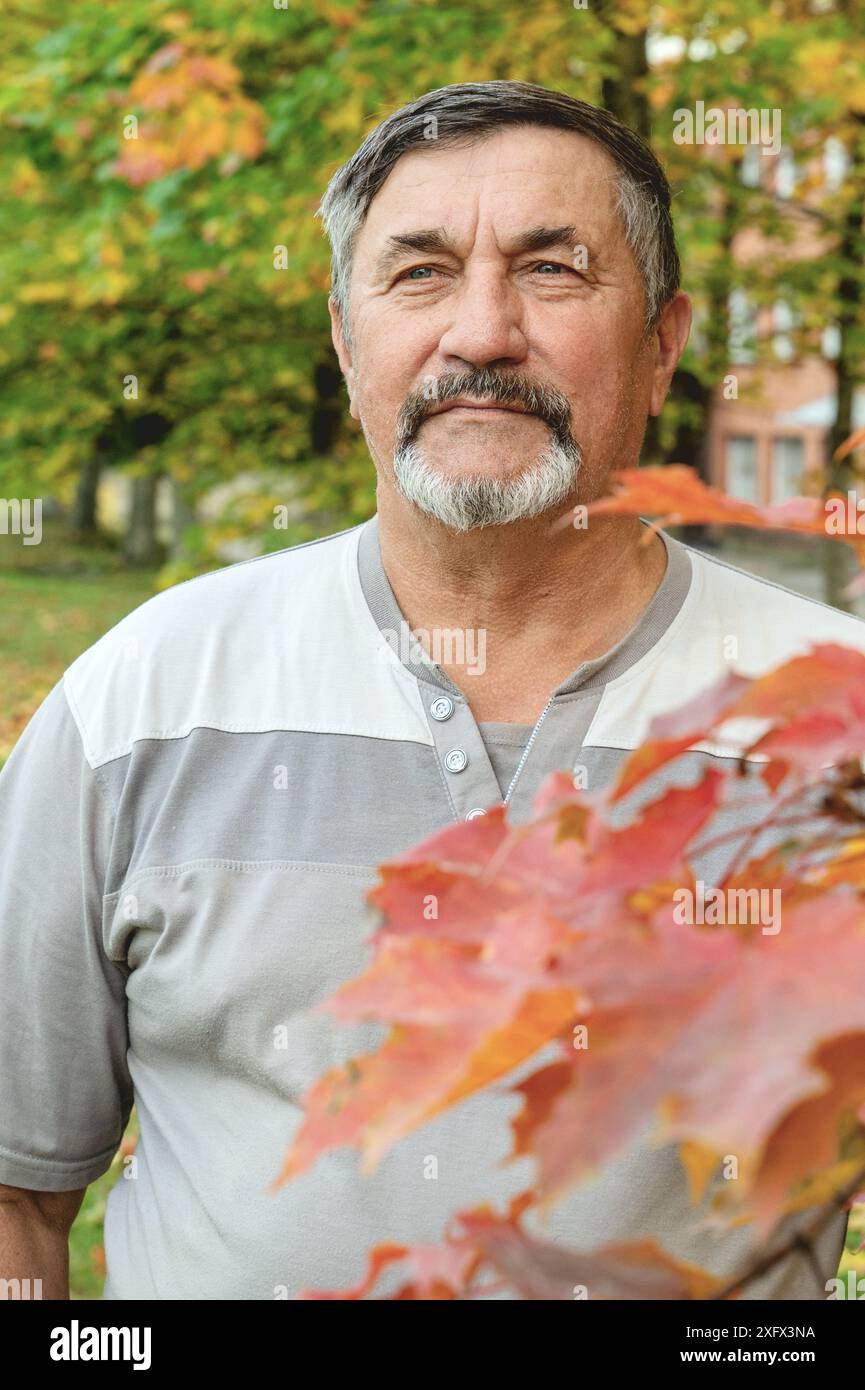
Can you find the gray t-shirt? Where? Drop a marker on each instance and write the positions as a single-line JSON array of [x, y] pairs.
[[505, 745], [189, 825]]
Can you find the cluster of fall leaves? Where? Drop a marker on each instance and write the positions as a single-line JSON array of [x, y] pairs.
[[568, 920], [180, 133]]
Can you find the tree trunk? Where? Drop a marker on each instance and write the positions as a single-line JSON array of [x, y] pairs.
[[84, 519], [692, 440], [691, 444], [140, 546], [625, 91], [839, 476], [326, 415]]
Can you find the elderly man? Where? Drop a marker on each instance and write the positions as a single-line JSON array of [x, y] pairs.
[[192, 818]]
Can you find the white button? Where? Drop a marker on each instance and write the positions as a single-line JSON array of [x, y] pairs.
[[475, 812], [442, 708], [456, 760]]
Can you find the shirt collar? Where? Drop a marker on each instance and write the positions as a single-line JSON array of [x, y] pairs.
[[652, 623]]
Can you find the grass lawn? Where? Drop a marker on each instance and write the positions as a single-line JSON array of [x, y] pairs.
[[50, 615], [52, 611]]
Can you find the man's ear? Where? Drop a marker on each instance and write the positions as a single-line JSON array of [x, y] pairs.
[[671, 337], [342, 352]]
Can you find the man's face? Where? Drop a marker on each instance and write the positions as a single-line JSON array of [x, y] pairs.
[[499, 272]]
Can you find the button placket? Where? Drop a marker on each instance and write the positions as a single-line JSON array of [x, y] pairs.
[[465, 765]]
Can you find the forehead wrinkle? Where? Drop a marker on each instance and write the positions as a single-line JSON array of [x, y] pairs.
[[440, 241]]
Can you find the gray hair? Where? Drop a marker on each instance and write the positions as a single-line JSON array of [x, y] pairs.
[[467, 112]]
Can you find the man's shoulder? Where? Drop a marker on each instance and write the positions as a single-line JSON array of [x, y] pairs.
[[771, 621], [729, 620], [210, 606], [204, 637]]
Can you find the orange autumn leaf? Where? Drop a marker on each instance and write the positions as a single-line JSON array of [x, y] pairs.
[[534, 1267], [849, 445], [805, 1139], [727, 1036], [540, 1269], [675, 495], [710, 1033], [814, 706]]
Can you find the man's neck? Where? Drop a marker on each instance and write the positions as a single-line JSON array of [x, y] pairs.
[[511, 611]]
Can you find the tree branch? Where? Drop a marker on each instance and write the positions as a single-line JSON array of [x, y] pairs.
[[802, 1240]]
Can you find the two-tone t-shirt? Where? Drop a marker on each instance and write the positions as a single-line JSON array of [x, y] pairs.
[[188, 828]]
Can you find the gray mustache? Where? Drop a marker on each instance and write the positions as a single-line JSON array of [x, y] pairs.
[[546, 402]]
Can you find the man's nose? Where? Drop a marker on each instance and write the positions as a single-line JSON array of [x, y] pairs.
[[485, 324]]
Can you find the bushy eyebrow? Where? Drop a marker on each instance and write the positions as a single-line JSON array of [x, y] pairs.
[[431, 241], [428, 242]]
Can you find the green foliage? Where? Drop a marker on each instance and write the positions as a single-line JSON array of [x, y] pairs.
[[158, 258]]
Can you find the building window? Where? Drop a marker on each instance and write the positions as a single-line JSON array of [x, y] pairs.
[[741, 478], [788, 462], [784, 320]]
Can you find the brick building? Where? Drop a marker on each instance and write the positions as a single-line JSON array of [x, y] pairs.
[[764, 443]]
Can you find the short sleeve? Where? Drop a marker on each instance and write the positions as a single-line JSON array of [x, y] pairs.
[[65, 1087]]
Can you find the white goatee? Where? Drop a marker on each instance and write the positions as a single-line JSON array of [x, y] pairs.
[[463, 504]]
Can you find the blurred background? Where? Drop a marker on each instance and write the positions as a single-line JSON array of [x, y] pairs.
[[169, 389]]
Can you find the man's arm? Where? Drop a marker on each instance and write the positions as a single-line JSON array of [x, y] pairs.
[[34, 1237], [65, 1086]]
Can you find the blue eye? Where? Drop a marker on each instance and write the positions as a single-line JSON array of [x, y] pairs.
[[416, 268], [554, 264]]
